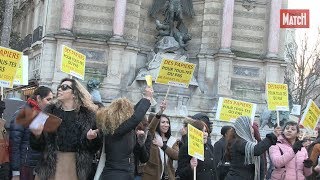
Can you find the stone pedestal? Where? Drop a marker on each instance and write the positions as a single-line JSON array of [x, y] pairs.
[[274, 71], [224, 72], [112, 82]]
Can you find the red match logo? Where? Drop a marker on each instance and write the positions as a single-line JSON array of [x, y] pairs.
[[294, 18]]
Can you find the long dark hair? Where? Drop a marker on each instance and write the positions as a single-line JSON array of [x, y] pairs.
[[168, 133], [232, 139], [41, 91]]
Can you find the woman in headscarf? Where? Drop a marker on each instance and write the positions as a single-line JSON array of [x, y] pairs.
[[68, 152], [288, 156], [263, 159], [118, 122], [243, 151]]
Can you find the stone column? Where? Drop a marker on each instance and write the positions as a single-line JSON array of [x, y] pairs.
[[227, 22], [67, 16], [274, 29], [120, 7]]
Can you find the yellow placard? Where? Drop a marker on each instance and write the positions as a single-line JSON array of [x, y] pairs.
[[21, 77], [195, 143], [277, 96], [175, 73], [230, 109], [9, 63], [311, 116], [73, 62]]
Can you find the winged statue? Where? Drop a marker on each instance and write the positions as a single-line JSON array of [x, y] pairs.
[[173, 11]]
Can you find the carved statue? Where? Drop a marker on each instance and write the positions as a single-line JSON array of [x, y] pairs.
[[270, 117], [174, 11]]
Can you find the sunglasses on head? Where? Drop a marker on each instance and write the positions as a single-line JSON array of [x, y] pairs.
[[64, 87]]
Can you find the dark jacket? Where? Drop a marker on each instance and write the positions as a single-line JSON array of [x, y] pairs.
[[75, 134], [219, 152], [205, 169], [119, 146], [141, 155], [21, 153], [239, 171]]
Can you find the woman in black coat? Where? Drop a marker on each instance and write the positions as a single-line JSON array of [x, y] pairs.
[[118, 122], [68, 152], [205, 170], [243, 152]]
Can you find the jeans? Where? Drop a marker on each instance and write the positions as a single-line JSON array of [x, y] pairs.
[[137, 178]]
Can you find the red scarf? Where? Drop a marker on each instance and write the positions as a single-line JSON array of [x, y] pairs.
[[33, 103]]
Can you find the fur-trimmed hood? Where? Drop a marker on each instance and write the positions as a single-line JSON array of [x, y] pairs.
[[111, 117]]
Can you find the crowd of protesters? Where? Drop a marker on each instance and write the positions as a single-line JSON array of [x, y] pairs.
[[131, 145]]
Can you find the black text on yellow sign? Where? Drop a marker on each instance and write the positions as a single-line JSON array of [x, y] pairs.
[[175, 73], [9, 63]]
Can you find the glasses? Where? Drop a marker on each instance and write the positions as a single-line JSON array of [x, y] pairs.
[[64, 87]]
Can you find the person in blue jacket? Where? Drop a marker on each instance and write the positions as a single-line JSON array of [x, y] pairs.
[[23, 159]]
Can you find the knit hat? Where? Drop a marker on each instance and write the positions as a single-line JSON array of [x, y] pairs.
[[203, 117]]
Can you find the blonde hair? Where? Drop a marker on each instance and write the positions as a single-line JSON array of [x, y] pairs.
[[81, 96], [111, 117]]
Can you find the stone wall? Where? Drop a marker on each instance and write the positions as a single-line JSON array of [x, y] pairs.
[[250, 28], [93, 17]]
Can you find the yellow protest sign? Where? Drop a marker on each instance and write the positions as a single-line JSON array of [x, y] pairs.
[[277, 96], [9, 62], [195, 143], [230, 109], [21, 77], [311, 116], [73, 62], [175, 73]]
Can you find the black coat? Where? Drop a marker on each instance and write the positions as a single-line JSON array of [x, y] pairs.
[[239, 171], [219, 152], [205, 169], [141, 154], [21, 153], [119, 146], [71, 136]]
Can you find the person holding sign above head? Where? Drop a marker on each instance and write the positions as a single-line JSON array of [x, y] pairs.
[[289, 156], [68, 152], [23, 158], [163, 151], [205, 170], [243, 152], [118, 122]]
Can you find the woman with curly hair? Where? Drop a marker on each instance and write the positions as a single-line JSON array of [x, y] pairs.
[[69, 151], [118, 122]]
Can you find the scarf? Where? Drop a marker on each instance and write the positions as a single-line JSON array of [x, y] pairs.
[[33, 104], [242, 128], [170, 143]]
